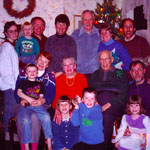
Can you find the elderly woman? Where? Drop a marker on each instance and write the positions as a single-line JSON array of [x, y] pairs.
[[70, 82], [42, 62], [9, 71], [119, 52]]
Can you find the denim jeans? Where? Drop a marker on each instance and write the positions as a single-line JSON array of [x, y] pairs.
[[9, 104], [28, 59], [24, 118]]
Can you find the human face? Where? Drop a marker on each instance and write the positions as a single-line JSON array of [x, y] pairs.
[[88, 21], [105, 60], [61, 28], [134, 109], [105, 35], [12, 33], [42, 63], [38, 27], [31, 73], [137, 72], [69, 66], [128, 29], [89, 99], [64, 107], [27, 30]]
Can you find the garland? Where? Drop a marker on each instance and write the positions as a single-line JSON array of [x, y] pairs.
[[7, 4]]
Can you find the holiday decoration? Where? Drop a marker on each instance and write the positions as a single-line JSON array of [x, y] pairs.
[[8, 4], [108, 12]]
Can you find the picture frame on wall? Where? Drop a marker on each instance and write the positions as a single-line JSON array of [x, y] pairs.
[[77, 21]]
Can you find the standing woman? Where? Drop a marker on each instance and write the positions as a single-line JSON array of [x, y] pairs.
[[9, 71]]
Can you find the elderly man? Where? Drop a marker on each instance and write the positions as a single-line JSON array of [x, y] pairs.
[[87, 39], [60, 45], [38, 29], [112, 87], [137, 46], [140, 86]]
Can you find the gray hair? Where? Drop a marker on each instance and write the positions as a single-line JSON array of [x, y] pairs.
[[71, 58], [89, 11]]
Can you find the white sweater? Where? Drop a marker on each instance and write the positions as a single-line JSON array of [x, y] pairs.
[[9, 66]]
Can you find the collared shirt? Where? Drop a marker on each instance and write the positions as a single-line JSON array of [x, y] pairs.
[[87, 50]]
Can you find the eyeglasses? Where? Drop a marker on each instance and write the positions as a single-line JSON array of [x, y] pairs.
[[104, 59], [12, 31]]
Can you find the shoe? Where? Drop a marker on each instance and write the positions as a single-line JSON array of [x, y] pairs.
[[7, 137], [16, 137]]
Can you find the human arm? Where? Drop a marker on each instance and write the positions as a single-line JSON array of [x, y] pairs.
[[36, 47], [18, 47]]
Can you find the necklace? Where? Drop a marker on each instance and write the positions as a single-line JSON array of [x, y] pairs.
[[70, 81]]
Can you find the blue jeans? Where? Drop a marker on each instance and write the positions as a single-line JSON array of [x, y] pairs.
[[24, 118], [9, 104], [28, 59]]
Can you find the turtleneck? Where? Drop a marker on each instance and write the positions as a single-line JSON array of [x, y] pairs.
[[109, 42]]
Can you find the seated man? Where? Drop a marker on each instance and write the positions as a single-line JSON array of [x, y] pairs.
[[112, 87]]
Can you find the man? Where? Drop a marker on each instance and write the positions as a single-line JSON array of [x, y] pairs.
[[112, 87], [87, 39], [137, 46], [140, 86], [38, 29], [60, 45]]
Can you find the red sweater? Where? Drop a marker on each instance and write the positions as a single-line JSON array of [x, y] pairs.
[[62, 88]]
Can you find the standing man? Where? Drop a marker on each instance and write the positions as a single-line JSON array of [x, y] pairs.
[[112, 87], [60, 45], [38, 29], [87, 39], [140, 86], [137, 46]]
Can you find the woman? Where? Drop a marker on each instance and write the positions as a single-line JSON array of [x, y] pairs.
[[69, 83], [9, 71], [120, 54], [42, 62]]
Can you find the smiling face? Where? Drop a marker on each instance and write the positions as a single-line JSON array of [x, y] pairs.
[[134, 109], [27, 30], [128, 29], [89, 99], [64, 107], [137, 72], [105, 35], [61, 28], [31, 73]]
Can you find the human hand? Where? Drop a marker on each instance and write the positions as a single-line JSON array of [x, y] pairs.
[[106, 106], [116, 144], [57, 74], [36, 103], [76, 101], [57, 117], [30, 100], [24, 103]]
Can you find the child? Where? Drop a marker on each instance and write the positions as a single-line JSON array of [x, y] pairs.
[[65, 135], [138, 125], [27, 47], [88, 116], [31, 91]]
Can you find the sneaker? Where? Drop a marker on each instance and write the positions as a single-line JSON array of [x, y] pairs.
[[7, 138]]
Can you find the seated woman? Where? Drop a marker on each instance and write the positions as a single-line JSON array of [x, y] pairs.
[[70, 82], [42, 62]]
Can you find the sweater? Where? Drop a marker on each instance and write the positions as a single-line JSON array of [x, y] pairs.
[[119, 53], [47, 79], [60, 47], [64, 135], [62, 88], [9, 66], [90, 121]]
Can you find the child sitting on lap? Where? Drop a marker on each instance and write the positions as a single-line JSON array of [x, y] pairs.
[[88, 116], [32, 92], [65, 135]]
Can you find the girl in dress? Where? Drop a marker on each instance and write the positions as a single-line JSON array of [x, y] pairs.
[[138, 125]]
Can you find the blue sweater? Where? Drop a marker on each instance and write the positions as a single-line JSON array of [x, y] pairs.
[[47, 79], [90, 121], [64, 135], [119, 52]]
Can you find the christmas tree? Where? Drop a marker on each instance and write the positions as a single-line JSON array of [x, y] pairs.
[[108, 12]]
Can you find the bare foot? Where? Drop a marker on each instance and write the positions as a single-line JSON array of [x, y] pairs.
[[49, 144], [27, 147]]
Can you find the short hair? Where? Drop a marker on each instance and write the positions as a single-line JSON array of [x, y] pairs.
[[8, 24], [89, 90], [26, 24], [134, 63], [30, 65], [46, 55], [88, 11], [124, 20], [107, 27], [63, 18], [38, 18], [135, 99], [64, 98], [71, 58]]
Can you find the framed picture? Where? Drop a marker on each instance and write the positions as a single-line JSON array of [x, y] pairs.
[[77, 21]]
